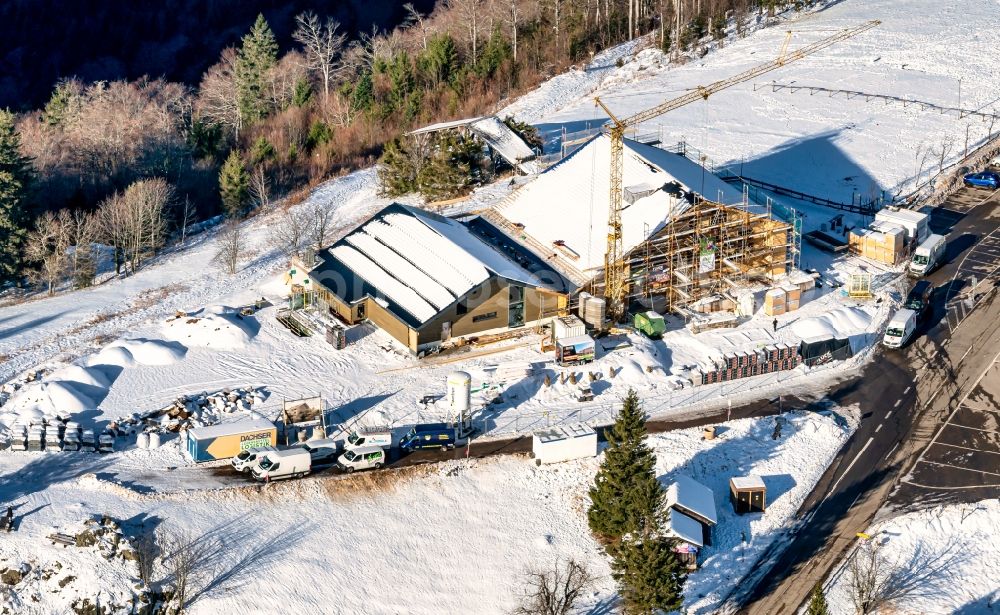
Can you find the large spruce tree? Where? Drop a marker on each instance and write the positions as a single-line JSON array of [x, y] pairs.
[[257, 56], [649, 574], [234, 185], [626, 496], [15, 176]]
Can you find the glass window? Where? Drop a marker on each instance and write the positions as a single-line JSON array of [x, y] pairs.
[[486, 316]]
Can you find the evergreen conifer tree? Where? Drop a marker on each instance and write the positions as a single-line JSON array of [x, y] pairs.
[[234, 185], [626, 496], [15, 177], [817, 602], [257, 56], [396, 172], [649, 574]]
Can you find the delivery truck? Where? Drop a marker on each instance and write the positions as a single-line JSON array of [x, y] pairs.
[[277, 465], [900, 328], [927, 256]]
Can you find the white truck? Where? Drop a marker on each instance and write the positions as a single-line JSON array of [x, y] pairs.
[[900, 328], [246, 459], [276, 465], [927, 256], [369, 436]]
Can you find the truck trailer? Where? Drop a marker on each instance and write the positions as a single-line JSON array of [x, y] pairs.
[[226, 440]]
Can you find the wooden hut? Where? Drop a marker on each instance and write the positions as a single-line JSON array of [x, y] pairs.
[[748, 494]]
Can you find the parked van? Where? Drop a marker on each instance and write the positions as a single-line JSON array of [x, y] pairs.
[[429, 435], [927, 255], [364, 437], [276, 465], [364, 458], [900, 328], [245, 460], [323, 450]]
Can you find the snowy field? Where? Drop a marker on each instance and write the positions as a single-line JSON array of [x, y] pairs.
[[459, 535], [948, 557], [832, 147]]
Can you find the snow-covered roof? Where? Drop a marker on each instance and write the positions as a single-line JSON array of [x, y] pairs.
[[226, 429], [687, 494], [444, 125], [569, 201], [502, 139], [748, 482], [417, 262], [684, 527]]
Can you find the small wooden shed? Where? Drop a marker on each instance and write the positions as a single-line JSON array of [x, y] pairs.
[[748, 494]]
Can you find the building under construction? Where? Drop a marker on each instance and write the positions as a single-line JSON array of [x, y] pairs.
[[691, 242]]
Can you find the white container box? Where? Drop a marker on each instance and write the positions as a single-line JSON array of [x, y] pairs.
[[564, 443]]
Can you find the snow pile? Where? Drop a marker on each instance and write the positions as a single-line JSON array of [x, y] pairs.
[[217, 327], [948, 555], [116, 354], [841, 322], [790, 466], [145, 352]]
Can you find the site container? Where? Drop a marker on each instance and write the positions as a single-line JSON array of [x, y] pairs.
[[564, 443], [228, 439]]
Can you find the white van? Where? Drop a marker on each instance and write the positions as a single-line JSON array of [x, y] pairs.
[[927, 255], [362, 459], [900, 328], [369, 437], [289, 463], [245, 460]]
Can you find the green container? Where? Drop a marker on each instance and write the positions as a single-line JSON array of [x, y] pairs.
[[650, 324]]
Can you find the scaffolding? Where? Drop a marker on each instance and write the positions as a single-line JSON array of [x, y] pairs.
[[705, 256]]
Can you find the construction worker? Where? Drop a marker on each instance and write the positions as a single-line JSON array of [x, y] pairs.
[[775, 325]]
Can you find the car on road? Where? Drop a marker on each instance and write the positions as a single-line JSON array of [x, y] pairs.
[[986, 179], [919, 299]]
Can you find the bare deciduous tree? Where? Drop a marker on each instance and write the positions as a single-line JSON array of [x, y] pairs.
[[230, 250], [260, 188], [322, 221], [188, 215], [219, 99], [134, 222], [83, 231], [184, 556], [556, 591], [322, 45], [292, 232], [47, 246], [415, 18]]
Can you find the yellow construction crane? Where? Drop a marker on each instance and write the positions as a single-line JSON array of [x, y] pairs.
[[614, 265]]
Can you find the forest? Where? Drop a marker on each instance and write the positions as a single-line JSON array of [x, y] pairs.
[[131, 163]]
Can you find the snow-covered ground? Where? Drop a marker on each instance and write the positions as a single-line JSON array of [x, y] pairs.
[[453, 537], [833, 147], [941, 560]]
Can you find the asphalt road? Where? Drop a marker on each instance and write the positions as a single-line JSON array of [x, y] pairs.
[[929, 428]]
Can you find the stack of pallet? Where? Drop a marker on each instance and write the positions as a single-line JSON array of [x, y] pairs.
[[774, 302], [883, 243], [779, 357]]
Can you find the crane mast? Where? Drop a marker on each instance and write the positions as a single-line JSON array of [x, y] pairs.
[[614, 265]]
